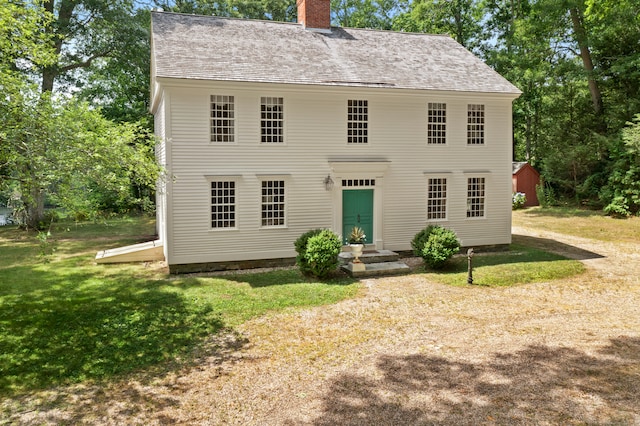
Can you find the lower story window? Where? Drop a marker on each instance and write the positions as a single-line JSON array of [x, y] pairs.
[[223, 204], [475, 197], [273, 207], [437, 198]]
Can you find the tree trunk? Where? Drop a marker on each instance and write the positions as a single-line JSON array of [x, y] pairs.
[[585, 54]]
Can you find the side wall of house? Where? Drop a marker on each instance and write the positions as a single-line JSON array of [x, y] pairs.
[[160, 126], [316, 137]]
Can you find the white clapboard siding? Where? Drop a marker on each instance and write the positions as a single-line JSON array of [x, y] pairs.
[[315, 136]]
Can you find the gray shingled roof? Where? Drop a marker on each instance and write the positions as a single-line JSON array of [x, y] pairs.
[[213, 48]]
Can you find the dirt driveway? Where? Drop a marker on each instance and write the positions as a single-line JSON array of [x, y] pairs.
[[410, 352]]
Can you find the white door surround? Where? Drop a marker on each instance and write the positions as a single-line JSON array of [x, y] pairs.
[[369, 175]]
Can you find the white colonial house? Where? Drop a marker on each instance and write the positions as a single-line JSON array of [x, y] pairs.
[[267, 130]]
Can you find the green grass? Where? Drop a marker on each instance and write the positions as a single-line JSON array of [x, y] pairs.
[[519, 265], [580, 222], [68, 320]]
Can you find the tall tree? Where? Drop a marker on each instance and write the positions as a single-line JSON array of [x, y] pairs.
[[82, 32], [376, 14], [50, 143], [458, 18]]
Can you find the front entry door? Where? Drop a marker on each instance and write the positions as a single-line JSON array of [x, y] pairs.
[[357, 210]]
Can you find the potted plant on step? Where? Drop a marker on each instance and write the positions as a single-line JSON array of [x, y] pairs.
[[356, 242]]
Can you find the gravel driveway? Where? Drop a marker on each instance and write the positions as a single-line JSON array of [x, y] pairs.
[[410, 352]]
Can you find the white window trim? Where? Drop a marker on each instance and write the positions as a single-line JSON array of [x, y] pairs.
[[269, 177], [484, 126], [235, 120], [223, 178], [368, 121], [469, 175], [446, 127], [284, 121], [447, 177]]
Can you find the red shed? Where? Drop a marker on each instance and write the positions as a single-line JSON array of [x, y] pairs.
[[525, 178]]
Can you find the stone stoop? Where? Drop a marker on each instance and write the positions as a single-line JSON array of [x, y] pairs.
[[374, 263]]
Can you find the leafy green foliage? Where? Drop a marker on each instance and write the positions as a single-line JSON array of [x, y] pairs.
[[70, 152], [457, 18], [420, 239], [546, 195], [622, 192], [300, 245], [322, 253], [441, 245]]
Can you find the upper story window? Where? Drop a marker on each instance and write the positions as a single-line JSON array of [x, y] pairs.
[[223, 204], [475, 196], [272, 119], [436, 198], [436, 123], [357, 121], [222, 119], [475, 124], [273, 207]]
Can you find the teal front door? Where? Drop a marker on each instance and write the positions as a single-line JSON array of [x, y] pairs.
[[357, 210]]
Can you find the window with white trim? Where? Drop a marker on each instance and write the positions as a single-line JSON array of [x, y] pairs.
[[436, 123], [223, 204], [273, 205], [475, 124], [357, 121], [272, 119], [475, 196], [436, 198], [222, 119]]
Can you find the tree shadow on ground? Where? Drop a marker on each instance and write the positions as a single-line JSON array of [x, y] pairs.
[[557, 247], [537, 385], [562, 212], [55, 333]]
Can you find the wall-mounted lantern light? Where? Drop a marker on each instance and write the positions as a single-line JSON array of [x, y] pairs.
[[328, 183]]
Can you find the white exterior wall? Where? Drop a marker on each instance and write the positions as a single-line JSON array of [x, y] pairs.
[[315, 145]]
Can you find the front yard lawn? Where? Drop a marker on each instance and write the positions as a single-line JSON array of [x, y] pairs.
[[64, 319]]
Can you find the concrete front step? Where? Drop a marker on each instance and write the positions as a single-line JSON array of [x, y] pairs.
[[375, 269], [370, 256]]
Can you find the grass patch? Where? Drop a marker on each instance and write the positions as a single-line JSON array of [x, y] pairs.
[[69, 320], [592, 224], [520, 265]]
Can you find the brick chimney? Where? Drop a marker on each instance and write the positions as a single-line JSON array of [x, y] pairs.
[[314, 14]]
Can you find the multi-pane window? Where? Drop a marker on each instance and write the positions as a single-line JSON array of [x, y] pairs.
[[436, 123], [475, 197], [436, 198], [223, 204], [272, 119], [358, 182], [222, 118], [273, 203], [357, 121], [475, 124]]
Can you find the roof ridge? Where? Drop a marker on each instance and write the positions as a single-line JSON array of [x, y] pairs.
[[269, 21]]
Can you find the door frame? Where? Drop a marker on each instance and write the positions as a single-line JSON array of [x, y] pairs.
[[371, 170]]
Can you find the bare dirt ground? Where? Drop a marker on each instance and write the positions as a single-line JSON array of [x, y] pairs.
[[407, 352]]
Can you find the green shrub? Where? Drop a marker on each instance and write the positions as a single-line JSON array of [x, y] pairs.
[[441, 245], [322, 253], [301, 248], [518, 200], [420, 239], [618, 207], [546, 195]]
